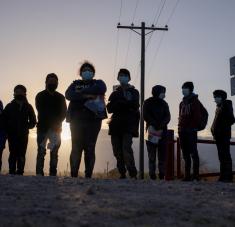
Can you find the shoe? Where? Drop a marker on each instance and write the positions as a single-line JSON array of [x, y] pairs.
[[186, 179], [153, 176]]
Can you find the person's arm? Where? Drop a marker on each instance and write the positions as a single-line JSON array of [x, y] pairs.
[[1, 107], [98, 88], [196, 113], [32, 118], [63, 109], [167, 116], [134, 102], [229, 114], [147, 114], [72, 94]]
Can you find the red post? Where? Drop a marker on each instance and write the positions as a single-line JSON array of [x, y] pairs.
[[170, 155]]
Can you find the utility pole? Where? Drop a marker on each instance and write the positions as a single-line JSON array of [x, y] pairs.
[[142, 84]]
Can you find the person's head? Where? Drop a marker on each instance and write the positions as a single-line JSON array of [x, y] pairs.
[[20, 92], [219, 96], [51, 82], [87, 71], [124, 76], [159, 91], [187, 88]]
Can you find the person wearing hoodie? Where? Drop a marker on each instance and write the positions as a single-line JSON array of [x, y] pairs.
[[189, 120], [85, 114], [123, 104], [51, 107], [18, 117], [157, 115], [2, 134], [221, 131]]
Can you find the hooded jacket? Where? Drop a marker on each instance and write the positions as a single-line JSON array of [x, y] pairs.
[[76, 93], [18, 119], [156, 111], [189, 113], [124, 106], [223, 120]]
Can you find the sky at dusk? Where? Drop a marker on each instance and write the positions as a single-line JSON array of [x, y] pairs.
[[40, 37]]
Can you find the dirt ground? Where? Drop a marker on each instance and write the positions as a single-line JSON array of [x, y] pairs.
[[63, 201]]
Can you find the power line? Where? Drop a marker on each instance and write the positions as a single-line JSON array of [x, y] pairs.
[[130, 33], [156, 19], [117, 43]]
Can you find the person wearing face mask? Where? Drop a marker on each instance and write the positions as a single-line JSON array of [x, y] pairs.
[[157, 115], [189, 121], [51, 107], [85, 114], [123, 104], [18, 117], [221, 131], [2, 134]]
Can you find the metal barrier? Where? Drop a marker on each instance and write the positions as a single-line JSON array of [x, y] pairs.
[[178, 160]]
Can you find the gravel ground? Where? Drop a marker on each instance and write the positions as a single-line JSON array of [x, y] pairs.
[[63, 201]]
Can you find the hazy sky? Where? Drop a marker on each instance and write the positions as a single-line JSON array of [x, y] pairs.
[[40, 37]]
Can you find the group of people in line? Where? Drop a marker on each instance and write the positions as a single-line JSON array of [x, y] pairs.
[[87, 109]]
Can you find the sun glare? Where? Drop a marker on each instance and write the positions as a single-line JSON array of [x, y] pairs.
[[65, 135]]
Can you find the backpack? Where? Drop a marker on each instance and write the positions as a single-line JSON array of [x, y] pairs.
[[204, 118]]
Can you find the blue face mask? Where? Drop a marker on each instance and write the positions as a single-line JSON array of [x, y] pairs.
[[218, 100], [123, 80], [162, 96], [185, 92], [87, 75]]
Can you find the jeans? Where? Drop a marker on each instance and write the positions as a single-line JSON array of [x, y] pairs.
[[161, 148], [188, 143], [17, 147], [123, 152], [54, 139], [223, 147], [84, 136]]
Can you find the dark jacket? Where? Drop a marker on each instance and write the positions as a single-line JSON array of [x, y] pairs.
[[124, 106], [156, 113], [223, 120], [76, 93], [51, 110], [189, 113], [1, 116], [18, 119]]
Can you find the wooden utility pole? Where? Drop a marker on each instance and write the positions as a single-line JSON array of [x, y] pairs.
[[142, 85]]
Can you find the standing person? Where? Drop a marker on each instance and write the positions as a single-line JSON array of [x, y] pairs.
[[157, 115], [18, 118], [124, 125], [2, 134], [221, 131], [189, 120], [51, 107], [85, 114]]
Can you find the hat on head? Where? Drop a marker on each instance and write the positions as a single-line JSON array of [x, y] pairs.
[[124, 71], [157, 90], [188, 85], [220, 93]]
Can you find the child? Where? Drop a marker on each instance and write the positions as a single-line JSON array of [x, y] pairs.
[[18, 118]]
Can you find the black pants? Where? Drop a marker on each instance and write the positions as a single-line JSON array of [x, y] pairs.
[[188, 143], [223, 147], [17, 147], [152, 150], [2, 146], [84, 137], [123, 152]]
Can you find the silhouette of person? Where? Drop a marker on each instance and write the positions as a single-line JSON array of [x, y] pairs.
[[221, 131], [85, 113], [189, 120], [2, 134], [51, 107], [124, 124], [18, 117], [157, 115]]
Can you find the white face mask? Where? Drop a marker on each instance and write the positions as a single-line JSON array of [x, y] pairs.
[[87, 75], [162, 96], [218, 100], [185, 92], [123, 80]]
